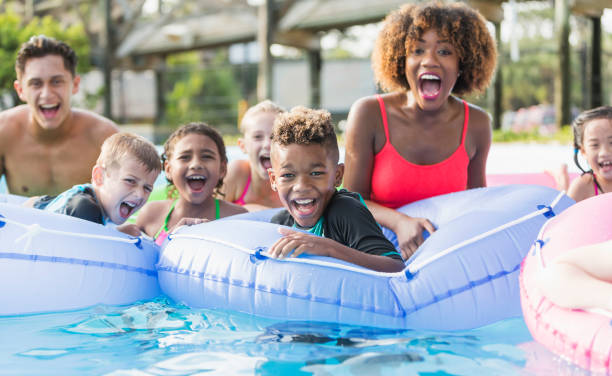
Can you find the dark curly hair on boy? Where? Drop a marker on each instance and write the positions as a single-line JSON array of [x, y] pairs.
[[462, 26], [191, 128], [305, 126], [40, 46]]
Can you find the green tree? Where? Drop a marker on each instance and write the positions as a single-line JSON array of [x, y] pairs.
[[14, 32], [200, 92]]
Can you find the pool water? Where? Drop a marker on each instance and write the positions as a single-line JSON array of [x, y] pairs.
[[161, 338]]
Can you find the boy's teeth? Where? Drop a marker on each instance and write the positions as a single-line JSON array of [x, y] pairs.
[[196, 178], [304, 202], [430, 77], [48, 106]]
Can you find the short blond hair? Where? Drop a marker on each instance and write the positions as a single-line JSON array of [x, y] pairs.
[[120, 145], [266, 106]]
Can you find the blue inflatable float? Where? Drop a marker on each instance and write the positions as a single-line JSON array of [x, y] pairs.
[[464, 275], [53, 262]]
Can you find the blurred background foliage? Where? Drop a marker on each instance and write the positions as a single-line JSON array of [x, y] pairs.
[[201, 88], [14, 31], [206, 85]]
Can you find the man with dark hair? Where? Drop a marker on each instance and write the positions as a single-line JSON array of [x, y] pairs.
[[46, 146]]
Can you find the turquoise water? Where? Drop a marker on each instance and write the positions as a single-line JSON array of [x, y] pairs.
[[161, 338]]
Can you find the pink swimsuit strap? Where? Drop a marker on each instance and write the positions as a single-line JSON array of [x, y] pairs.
[[161, 237], [240, 200], [396, 181]]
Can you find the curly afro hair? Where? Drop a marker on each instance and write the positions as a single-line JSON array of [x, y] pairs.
[[465, 29], [305, 126]]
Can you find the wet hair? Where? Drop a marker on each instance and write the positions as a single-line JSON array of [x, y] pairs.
[[580, 123], [462, 26], [123, 145], [40, 46], [266, 106], [194, 128], [305, 126]]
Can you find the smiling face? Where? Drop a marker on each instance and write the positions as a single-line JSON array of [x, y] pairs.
[[597, 147], [306, 177], [195, 167], [432, 68], [47, 86], [256, 141], [123, 189]]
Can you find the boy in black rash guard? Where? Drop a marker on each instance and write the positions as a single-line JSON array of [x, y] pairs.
[[121, 182], [305, 173]]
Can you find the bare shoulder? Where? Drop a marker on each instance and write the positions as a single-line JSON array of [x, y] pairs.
[[227, 209], [480, 120], [97, 127], [582, 187], [237, 174], [363, 113], [152, 211], [12, 121], [479, 132]]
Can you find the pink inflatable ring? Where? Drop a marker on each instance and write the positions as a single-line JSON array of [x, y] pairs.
[[581, 337]]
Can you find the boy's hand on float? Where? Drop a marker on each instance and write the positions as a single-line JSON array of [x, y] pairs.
[[294, 243], [410, 234]]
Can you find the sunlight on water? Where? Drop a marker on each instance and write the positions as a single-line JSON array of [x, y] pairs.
[[161, 338]]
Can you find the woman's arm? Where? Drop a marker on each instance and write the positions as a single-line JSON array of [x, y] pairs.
[[480, 143], [360, 142]]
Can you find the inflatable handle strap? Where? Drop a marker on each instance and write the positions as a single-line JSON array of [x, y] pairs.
[[542, 209], [35, 229], [260, 255]]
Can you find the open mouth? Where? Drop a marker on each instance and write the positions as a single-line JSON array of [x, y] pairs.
[[196, 182], [607, 165], [49, 110], [430, 85], [126, 209], [304, 207], [265, 162]]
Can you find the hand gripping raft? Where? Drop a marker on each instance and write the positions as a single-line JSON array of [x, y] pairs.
[[581, 337], [53, 262], [465, 274]]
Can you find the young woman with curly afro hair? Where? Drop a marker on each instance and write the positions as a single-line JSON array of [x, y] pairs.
[[419, 139]]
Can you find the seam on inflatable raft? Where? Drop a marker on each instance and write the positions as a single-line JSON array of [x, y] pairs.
[[469, 286], [68, 260], [283, 292]]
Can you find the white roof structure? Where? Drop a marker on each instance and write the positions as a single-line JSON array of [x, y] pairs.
[[224, 22]]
